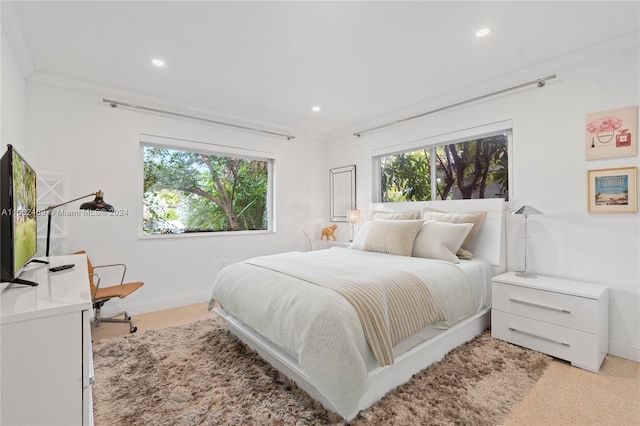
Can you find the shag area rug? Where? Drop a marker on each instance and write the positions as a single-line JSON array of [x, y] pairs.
[[200, 374]]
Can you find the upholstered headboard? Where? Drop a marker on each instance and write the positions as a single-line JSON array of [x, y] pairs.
[[490, 242]]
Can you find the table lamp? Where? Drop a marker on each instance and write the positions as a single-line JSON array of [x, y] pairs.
[[526, 211], [353, 216]]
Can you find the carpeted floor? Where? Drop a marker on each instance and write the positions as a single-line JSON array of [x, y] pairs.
[[199, 373]]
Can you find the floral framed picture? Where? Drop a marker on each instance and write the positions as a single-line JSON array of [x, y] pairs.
[[613, 190], [612, 133]]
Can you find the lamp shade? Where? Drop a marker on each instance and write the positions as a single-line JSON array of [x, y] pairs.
[[354, 215], [97, 204], [526, 210]]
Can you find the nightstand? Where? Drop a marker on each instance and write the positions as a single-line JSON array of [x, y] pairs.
[[562, 318]]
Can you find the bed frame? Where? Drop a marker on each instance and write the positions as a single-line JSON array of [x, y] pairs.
[[489, 245]]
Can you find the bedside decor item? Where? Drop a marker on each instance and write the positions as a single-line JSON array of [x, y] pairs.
[[526, 211], [353, 216], [612, 190], [328, 232], [612, 133], [97, 204]]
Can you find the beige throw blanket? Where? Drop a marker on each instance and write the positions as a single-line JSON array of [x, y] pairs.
[[391, 305]]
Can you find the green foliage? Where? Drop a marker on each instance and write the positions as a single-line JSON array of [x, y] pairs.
[[203, 192], [25, 240], [501, 172], [24, 195], [464, 170], [24, 210], [406, 176]]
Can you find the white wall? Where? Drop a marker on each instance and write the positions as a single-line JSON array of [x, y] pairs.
[[13, 91], [549, 171], [72, 131]]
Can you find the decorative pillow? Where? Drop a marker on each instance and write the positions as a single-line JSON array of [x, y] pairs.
[[475, 218], [392, 236], [408, 215], [360, 236], [440, 240]]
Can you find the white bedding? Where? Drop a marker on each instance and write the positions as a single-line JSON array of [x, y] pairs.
[[479, 272], [321, 329]]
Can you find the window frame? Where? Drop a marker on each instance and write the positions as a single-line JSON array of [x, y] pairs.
[[208, 148], [431, 143]]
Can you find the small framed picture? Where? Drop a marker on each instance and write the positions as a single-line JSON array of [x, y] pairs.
[[612, 133], [613, 190]]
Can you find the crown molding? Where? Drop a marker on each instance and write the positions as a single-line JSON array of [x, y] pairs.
[[102, 92], [625, 42]]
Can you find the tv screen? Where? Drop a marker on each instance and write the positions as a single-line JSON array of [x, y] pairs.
[[18, 231]]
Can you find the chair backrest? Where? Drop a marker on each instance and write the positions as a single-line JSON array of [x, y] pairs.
[[90, 269]]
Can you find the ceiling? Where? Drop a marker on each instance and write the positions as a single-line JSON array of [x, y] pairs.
[[270, 62]]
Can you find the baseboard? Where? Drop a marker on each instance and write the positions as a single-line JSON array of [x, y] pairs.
[[137, 308], [624, 350]]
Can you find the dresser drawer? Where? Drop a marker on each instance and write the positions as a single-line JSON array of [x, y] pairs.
[[578, 347], [564, 310]]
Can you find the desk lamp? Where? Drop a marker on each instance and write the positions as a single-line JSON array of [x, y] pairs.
[[97, 204]]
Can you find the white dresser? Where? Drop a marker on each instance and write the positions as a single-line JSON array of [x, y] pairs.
[[46, 364], [565, 319]]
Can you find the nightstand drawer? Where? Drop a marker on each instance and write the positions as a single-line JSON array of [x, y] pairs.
[[578, 347], [565, 310]]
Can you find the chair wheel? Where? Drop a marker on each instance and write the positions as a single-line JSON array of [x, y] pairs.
[[127, 318], [133, 329]]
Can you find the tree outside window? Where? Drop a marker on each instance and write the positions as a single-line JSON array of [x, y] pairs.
[[475, 168], [189, 191]]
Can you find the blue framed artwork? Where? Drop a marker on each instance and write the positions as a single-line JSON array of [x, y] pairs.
[[613, 190]]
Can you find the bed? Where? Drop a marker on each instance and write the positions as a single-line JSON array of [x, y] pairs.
[[287, 309]]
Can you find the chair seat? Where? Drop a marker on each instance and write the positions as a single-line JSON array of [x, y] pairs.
[[121, 290]]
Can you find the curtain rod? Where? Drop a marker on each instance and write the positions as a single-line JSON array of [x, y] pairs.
[[114, 104], [540, 82]]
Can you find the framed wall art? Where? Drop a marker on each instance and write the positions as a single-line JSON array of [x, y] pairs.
[[613, 190], [612, 133]]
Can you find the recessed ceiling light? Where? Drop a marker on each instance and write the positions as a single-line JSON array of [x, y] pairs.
[[158, 62], [315, 108], [483, 32]]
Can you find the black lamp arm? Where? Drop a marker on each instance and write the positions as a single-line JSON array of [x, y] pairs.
[[48, 209]]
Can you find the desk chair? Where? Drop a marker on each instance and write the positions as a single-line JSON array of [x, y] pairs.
[[100, 295]]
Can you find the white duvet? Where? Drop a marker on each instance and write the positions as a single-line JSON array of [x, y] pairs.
[[321, 329]]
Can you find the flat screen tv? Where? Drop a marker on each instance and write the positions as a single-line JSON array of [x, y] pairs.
[[18, 231]]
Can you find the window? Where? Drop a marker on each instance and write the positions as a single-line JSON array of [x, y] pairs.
[[471, 168], [188, 191]]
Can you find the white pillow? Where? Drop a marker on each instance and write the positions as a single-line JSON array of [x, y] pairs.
[[392, 236], [380, 214], [476, 218], [408, 215], [440, 240], [360, 236]]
